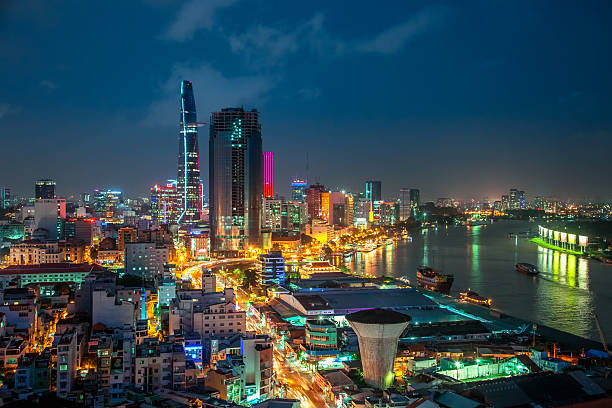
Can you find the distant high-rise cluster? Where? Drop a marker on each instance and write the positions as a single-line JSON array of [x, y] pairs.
[[513, 201]]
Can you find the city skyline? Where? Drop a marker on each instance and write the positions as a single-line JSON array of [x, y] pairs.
[[494, 102]]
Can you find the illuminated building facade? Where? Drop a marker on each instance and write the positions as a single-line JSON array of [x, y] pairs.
[[415, 198], [337, 208], [271, 211], [314, 198], [272, 268], [293, 216], [268, 174], [298, 190], [44, 189], [405, 205], [106, 203], [235, 179], [188, 183], [5, 197], [165, 203], [373, 190]]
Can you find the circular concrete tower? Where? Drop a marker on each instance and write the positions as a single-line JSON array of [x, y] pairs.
[[378, 331]]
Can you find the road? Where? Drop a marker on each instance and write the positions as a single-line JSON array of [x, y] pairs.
[[300, 384], [194, 272]]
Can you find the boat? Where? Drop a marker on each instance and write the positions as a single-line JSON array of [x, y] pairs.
[[527, 268], [432, 279], [473, 297], [475, 223]]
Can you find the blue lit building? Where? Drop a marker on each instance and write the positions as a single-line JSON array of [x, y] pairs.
[[298, 190], [272, 268]]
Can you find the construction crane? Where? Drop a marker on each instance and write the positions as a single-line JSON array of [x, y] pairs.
[[601, 336]]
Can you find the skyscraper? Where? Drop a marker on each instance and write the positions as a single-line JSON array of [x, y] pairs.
[[236, 179], [373, 190], [5, 197], [268, 174], [44, 189], [405, 204], [415, 197], [314, 201], [298, 190], [188, 183], [164, 203]]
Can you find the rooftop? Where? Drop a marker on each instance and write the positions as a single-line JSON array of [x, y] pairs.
[[378, 316], [62, 267]]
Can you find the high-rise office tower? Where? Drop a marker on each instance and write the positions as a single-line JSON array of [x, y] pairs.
[[44, 189], [405, 205], [5, 197], [415, 197], [235, 179], [298, 190], [165, 203], [268, 174], [314, 199], [373, 190], [188, 183]]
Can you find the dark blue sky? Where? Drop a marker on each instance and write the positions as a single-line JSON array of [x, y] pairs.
[[463, 99]]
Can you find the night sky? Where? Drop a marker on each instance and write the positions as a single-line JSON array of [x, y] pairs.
[[460, 99]]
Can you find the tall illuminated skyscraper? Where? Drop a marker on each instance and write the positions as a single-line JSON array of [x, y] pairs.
[[236, 180], [373, 190], [188, 182], [44, 189], [268, 174], [298, 190]]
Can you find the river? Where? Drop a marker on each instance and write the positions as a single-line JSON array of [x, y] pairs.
[[566, 293]]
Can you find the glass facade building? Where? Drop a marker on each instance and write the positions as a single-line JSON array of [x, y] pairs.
[[373, 190], [236, 179], [188, 182], [44, 189]]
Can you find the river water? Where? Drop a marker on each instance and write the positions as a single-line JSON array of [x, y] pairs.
[[566, 293]]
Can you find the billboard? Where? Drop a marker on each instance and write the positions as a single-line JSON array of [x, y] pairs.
[[564, 237], [583, 240], [571, 238], [556, 234]]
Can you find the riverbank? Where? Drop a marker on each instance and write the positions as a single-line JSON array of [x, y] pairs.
[[497, 320], [545, 244]]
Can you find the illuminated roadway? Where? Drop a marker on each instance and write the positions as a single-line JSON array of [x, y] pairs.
[[300, 384]]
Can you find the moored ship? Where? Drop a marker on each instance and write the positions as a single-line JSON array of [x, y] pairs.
[[432, 279], [473, 297], [527, 268]]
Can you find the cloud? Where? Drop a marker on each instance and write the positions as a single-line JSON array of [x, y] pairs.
[[212, 90], [309, 94], [266, 45], [6, 109], [393, 39], [48, 84], [269, 46], [193, 16]]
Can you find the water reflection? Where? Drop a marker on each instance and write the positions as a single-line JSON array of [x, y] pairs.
[[564, 295], [474, 249], [566, 269]]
